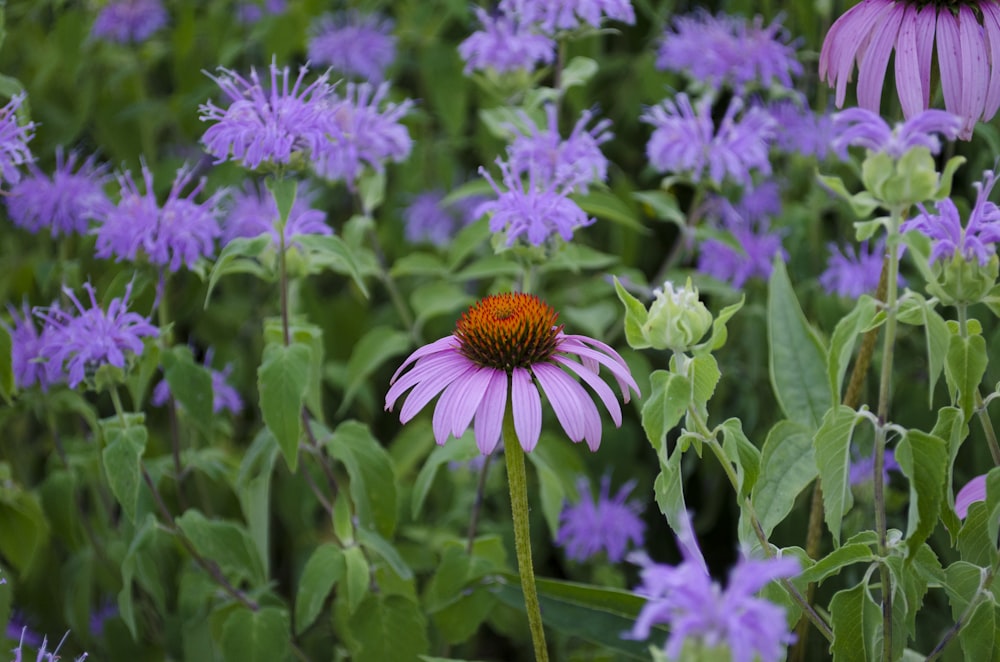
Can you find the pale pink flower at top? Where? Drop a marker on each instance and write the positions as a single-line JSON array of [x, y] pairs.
[[964, 38], [971, 492], [510, 342]]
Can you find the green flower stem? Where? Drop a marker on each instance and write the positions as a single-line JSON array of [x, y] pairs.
[[116, 400], [286, 335], [390, 285], [518, 482], [981, 413], [884, 399]]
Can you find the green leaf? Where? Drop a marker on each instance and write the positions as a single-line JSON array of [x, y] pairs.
[[388, 627], [862, 203], [719, 332], [923, 459], [704, 374], [663, 206], [373, 542], [592, 613], [557, 469], [849, 554], [438, 298], [25, 528], [579, 70], [368, 354], [333, 252], [669, 397], [843, 340], [282, 380], [226, 543], [832, 446], [978, 636], [974, 543], [6, 365], [122, 458], [256, 636], [797, 358], [191, 385], [607, 205], [253, 488], [239, 256], [419, 264], [456, 598], [456, 450], [964, 367], [937, 338], [788, 465], [743, 454], [321, 573], [669, 489], [635, 317], [373, 478], [855, 619]]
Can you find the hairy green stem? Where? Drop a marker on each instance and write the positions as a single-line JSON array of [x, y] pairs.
[[518, 483]]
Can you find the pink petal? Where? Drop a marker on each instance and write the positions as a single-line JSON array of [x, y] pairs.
[[617, 366], [913, 91], [871, 69], [847, 39], [949, 53], [991, 26], [489, 415], [459, 402], [527, 409], [973, 491], [593, 381], [430, 367], [431, 385], [439, 345], [975, 73], [575, 410]]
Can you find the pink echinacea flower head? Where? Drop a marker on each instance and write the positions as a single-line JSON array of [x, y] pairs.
[[511, 343], [964, 37]]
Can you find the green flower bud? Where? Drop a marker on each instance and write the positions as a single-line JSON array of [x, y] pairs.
[[964, 281], [677, 318]]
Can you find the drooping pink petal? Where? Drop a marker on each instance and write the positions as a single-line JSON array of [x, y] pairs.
[[575, 410], [846, 42], [913, 94], [439, 345], [430, 386], [459, 402], [573, 345], [991, 28], [489, 415], [975, 74], [973, 491], [430, 367], [593, 381], [872, 68], [949, 56], [527, 406]]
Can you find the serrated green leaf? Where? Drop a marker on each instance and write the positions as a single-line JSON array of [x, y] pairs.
[[663, 206], [282, 380], [321, 573], [843, 340], [239, 256], [122, 457], [797, 359], [669, 489], [719, 332], [579, 70], [669, 397], [964, 367], [855, 618], [849, 554], [743, 454], [226, 543], [256, 636], [704, 375], [635, 317], [832, 446], [788, 465], [333, 252], [979, 633], [373, 478], [378, 345], [388, 627], [923, 458], [973, 542], [373, 542], [607, 205], [191, 385]]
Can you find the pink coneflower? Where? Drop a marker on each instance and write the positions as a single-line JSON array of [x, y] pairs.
[[510, 342], [971, 492], [965, 37]]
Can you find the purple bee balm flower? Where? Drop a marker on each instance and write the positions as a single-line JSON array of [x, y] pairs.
[[609, 524], [723, 49], [977, 240], [506, 43], [535, 212], [267, 126], [80, 342], [363, 132], [354, 44], [864, 128], [26, 345], [64, 203], [754, 257], [224, 396], [686, 141], [554, 15], [428, 218], [179, 232], [14, 138], [253, 211], [968, 55], [510, 342], [694, 607], [801, 130], [852, 272], [129, 21], [863, 468], [249, 13], [573, 163], [19, 630], [971, 492], [105, 612]]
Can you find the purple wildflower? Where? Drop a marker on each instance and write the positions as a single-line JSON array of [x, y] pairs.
[[129, 21], [363, 132], [971, 492], [506, 43], [253, 211], [14, 138], [852, 272], [976, 240], [863, 128], [801, 130], [695, 607], [686, 141], [510, 340], [249, 13], [18, 629], [573, 163], [267, 125], [179, 232], [968, 55], [354, 44], [224, 396], [554, 15], [754, 257], [65, 202], [79, 343], [26, 348], [718, 50], [609, 524], [43, 653], [863, 468], [105, 612], [535, 212]]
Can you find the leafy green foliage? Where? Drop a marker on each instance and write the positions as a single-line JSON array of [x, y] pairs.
[[282, 380]]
